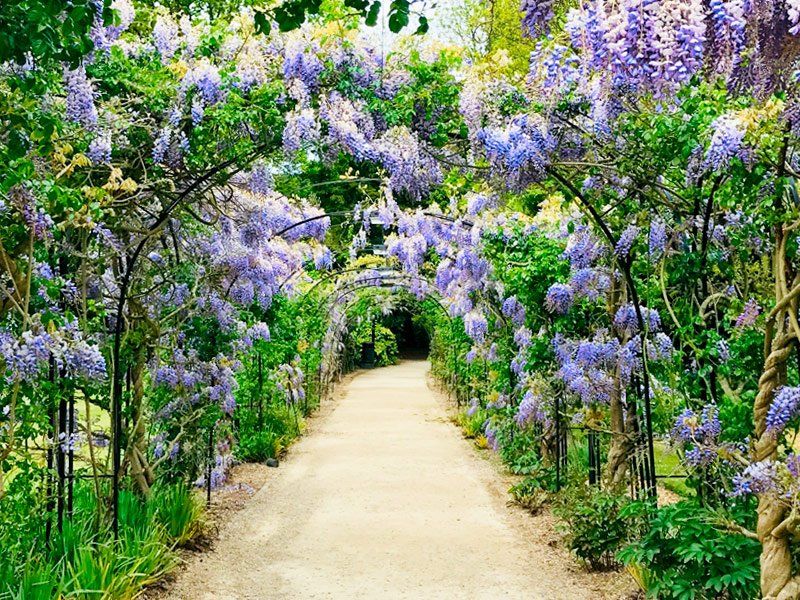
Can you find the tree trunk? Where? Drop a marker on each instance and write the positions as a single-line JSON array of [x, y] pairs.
[[777, 582], [136, 453], [776, 556], [620, 446]]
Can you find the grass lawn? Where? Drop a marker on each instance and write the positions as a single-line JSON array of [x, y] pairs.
[[668, 463]]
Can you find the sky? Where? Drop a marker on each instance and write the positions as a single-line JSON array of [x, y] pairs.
[[437, 12]]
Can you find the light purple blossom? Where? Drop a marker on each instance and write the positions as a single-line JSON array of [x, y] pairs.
[[559, 298], [626, 240], [749, 314]]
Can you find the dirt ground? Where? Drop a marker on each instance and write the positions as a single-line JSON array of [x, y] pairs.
[[384, 499]]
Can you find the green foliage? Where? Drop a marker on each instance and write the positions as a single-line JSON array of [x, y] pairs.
[[531, 494], [687, 554], [259, 445], [266, 425], [83, 560], [265, 435], [535, 489], [471, 425], [386, 351], [484, 28], [48, 30], [598, 523], [179, 511], [519, 449], [291, 14]]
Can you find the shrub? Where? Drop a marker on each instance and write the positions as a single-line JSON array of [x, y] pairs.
[[519, 448], [598, 523], [534, 490], [259, 446], [471, 425], [686, 556], [260, 439]]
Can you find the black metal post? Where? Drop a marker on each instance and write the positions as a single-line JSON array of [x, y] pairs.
[[71, 457], [594, 457], [51, 448], [63, 442], [558, 441], [209, 466], [260, 391], [648, 466]]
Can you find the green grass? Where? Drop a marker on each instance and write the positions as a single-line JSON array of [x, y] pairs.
[[668, 463]]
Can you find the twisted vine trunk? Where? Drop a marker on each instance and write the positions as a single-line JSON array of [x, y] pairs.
[[776, 527], [776, 558], [621, 444], [136, 453]]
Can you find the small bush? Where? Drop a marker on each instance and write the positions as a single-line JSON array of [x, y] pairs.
[[598, 523], [683, 555], [259, 446], [260, 439], [533, 492], [471, 425]]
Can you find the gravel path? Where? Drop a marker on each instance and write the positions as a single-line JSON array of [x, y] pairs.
[[383, 499]]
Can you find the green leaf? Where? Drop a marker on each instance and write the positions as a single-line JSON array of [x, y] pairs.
[[372, 16], [263, 24]]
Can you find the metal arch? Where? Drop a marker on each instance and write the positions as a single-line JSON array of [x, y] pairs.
[[355, 289]]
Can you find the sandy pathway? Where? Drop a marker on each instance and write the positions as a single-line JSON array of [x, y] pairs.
[[382, 500]]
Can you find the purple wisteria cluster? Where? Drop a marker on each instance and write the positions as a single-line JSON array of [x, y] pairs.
[[192, 381], [260, 251], [654, 45], [302, 63], [595, 369], [514, 310], [759, 478], [588, 280], [559, 298], [519, 151], [621, 49], [26, 356], [301, 129], [411, 166], [785, 406], [479, 202], [587, 367], [749, 314], [698, 434], [103, 36], [626, 241], [531, 409], [39, 223], [657, 238], [727, 142], [536, 16], [476, 326], [626, 319], [166, 37], [81, 107], [223, 461]]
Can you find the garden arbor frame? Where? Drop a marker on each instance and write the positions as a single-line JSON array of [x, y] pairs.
[[204, 183]]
